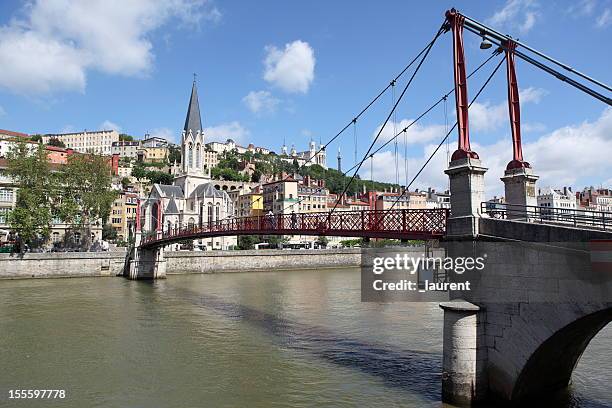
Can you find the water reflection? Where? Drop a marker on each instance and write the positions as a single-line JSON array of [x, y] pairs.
[[416, 371]]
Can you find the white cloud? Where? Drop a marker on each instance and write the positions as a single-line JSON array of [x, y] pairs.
[[2, 111], [576, 155], [518, 15], [261, 102], [233, 130], [584, 7], [487, 117], [531, 94], [108, 125], [291, 69], [56, 42], [164, 133], [604, 19]]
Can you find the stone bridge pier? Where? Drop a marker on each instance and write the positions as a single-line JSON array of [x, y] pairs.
[[526, 321], [530, 312], [145, 263]]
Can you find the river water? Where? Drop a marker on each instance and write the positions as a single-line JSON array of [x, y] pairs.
[[265, 339]]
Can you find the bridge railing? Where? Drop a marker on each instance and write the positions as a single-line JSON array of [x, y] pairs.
[[418, 221], [553, 215]]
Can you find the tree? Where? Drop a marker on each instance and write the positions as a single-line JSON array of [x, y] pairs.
[[248, 241], [125, 182], [159, 177], [322, 241], [56, 142], [36, 138], [86, 193], [109, 233], [33, 214], [174, 154], [125, 137]]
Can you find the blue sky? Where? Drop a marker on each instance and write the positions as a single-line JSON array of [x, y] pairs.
[[275, 70]]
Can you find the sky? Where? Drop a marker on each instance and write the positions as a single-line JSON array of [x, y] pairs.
[[274, 71]]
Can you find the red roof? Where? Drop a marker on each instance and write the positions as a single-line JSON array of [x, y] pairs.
[[58, 149], [11, 133]]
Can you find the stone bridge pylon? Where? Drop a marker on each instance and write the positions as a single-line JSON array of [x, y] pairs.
[[141, 262]]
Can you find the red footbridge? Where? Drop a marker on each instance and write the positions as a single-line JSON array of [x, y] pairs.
[[421, 224]]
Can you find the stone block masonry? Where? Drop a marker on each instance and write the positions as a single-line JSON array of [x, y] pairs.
[[261, 260], [61, 265], [84, 264]]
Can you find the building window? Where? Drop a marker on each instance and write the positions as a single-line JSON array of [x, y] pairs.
[[55, 237], [6, 195], [77, 238], [198, 156], [190, 161], [210, 213], [3, 215]]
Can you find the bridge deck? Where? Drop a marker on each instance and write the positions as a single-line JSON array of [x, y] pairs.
[[397, 224]]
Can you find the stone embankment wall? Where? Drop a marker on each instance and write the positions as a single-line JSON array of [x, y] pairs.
[[261, 260], [82, 264]]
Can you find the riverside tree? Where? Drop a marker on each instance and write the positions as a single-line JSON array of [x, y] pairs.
[[87, 195], [30, 171]]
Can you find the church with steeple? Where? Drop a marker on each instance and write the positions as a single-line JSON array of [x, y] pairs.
[[191, 200]]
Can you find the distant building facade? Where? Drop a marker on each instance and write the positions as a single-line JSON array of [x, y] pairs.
[[98, 142]]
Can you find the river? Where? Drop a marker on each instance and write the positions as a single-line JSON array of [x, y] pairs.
[[265, 339]]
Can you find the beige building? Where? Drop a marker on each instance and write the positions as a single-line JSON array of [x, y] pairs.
[[210, 158], [123, 214], [281, 196], [127, 149], [153, 154], [312, 196], [99, 142], [249, 205]]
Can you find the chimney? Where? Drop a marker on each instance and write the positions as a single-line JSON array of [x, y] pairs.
[[564, 190]]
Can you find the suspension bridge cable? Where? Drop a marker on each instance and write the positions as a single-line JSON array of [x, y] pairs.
[[356, 118], [404, 131], [429, 47], [394, 132], [448, 133], [442, 98]]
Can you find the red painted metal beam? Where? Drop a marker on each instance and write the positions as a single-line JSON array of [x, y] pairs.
[[137, 214], [399, 224], [514, 108], [461, 97]]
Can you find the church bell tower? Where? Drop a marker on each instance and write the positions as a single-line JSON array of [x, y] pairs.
[[192, 141]]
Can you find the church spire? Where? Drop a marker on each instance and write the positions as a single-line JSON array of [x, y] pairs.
[[193, 121]]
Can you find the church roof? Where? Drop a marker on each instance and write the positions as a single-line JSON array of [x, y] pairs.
[[207, 190], [170, 191], [193, 121], [171, 208]]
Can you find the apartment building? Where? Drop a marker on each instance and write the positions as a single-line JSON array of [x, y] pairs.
[[98, 142]]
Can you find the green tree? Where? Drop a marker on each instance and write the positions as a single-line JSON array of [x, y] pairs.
[[159, 177], [37, 191], [125, 182], [86, 192], [322, 241], [174, 154], [248, 241], [125, 137], [139, 171], [108, 232], [36, 138], [56, 142]]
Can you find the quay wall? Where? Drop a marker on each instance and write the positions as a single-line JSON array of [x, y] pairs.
[[84, 264]]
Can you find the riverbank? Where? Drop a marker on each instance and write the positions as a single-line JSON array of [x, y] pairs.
[[104, 264]]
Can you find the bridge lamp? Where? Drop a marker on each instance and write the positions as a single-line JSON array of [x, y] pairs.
[[485, 44]]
